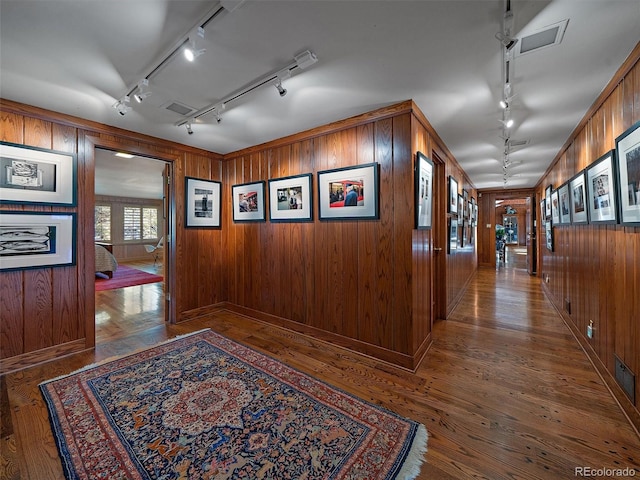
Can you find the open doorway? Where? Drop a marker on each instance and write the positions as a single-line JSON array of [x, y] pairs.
[[513, 229], [131, 233]]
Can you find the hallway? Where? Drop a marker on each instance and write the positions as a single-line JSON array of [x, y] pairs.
[[505, 391]]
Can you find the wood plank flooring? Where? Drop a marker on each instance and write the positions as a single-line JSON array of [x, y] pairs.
[[505, 391]]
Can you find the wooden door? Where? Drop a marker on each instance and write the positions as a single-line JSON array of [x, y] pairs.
[[439, 238], [531, 235]]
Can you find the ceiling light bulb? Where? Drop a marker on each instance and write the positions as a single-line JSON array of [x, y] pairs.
[[509, 123], [188, 126], [190, 51], [504, 104]]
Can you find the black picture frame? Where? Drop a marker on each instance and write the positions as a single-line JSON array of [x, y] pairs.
[[291, 199], [628, 175], [578, 197], [453, 234], [548, 231], [543, 209], [453, 195], [555, 207], [248, 202], [601, 190], [37, 240], [474, 212], [349, 193], [32, 175], [564, 205], [547, 204], [460, 206], [203, 203], [423, 186]]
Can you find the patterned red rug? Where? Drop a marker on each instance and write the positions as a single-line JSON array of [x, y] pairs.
[[203, 407], [125, 276]]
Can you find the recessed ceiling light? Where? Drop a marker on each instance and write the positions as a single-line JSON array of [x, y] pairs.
[[124, 155]]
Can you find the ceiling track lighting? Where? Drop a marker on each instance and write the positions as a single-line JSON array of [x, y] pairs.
[[143, 91], [191, 51], [301, 61], [188, 127], [218, 11], [122, 105]]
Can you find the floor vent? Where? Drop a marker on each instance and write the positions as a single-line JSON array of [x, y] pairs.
[[548, 37], [626, 379]]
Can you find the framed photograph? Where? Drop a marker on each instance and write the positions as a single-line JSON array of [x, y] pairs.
[[424, 191], [548, 231], [453, 195], [555, 207], [474, 214], [543, 209], [601, 190], [564, 206], [349, 193], [578, 198], [290, 199], [37, 240], [460, 207], [203, 200], [628, 168], [453, 234], [248, 202], [547, 204], [37, 175], [465, 204]]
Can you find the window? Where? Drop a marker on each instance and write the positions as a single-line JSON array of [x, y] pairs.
[[103, 223], [140, 223]]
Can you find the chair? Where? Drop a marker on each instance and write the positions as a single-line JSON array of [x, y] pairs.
[[155, 250]]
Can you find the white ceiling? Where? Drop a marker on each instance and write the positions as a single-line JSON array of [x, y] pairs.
[[80, 56]]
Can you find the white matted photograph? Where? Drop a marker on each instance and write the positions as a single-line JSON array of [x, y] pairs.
[[290, 199], [36, 175], [628, 168], [349, 193], [37, 240], [202, 203], [248, 202], [601, 190]]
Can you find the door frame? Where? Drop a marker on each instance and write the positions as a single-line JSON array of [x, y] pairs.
[[439, 238], [170, 313]]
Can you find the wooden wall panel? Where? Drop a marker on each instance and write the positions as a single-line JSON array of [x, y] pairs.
[[595, 267], [44, 309]]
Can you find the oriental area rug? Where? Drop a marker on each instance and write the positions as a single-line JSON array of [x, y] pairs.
[[205, 407], [125, 276]]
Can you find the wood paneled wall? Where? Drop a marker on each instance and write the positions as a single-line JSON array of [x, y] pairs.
[[46, 313], [596, 269], [366, 285]]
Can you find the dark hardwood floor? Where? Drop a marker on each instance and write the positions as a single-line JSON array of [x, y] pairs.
[[505, 391]]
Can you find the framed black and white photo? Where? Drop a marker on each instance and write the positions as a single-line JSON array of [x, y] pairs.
[[424, 191], [601, 190], [547, 203], [474, 212], [290, 199], [628, 168], [578, 197], [37, 240], [36, 175], [555, 207], [453, 234], [564, 205], [543, 209], [349, 193], [548, 231], [202, 203], [460, 207], [453, 195], [248, 202]]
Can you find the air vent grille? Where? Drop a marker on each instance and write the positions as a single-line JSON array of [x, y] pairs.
[[547, 37], [180, 108]]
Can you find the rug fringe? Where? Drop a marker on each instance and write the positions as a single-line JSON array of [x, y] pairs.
[[411, 466], [118, 357]]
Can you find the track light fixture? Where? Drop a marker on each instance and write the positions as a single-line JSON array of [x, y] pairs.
[[191, 52], [281, 90], [188, 127], [122, 105], [143, 91]]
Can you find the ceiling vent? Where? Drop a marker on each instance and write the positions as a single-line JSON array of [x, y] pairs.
[[547, 37], [179, 108], [517, 143]]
